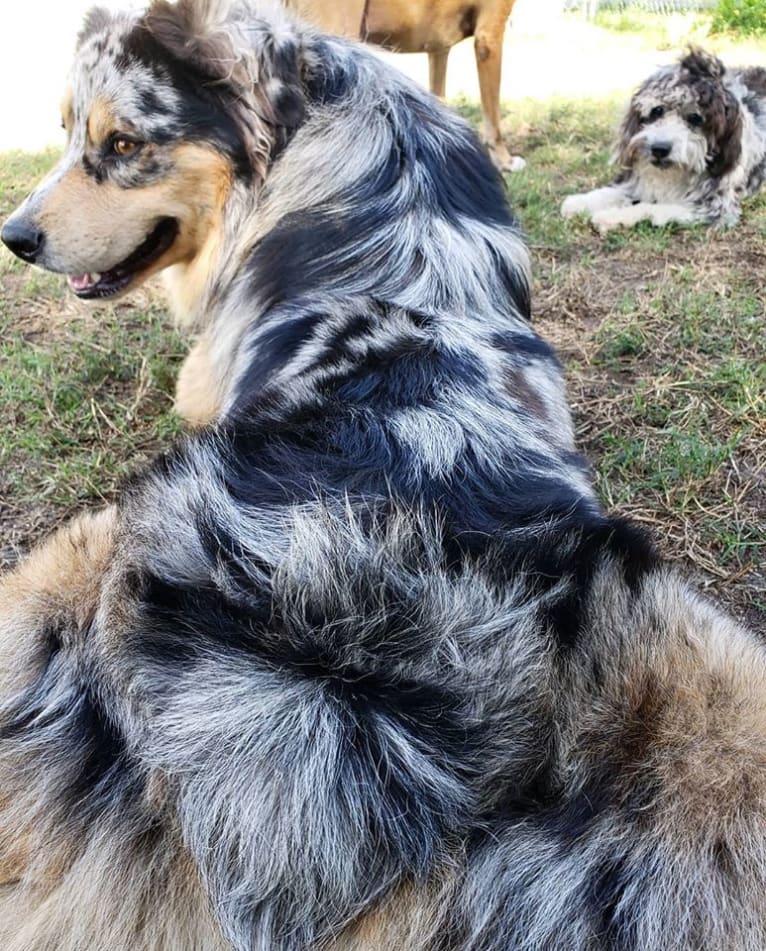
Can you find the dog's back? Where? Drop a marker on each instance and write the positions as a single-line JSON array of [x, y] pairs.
[[752, 93]]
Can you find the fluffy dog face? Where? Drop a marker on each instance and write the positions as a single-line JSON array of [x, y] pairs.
[[683, 118], [158, 129]]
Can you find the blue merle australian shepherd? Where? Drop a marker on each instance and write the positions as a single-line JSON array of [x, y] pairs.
[[361, 664]]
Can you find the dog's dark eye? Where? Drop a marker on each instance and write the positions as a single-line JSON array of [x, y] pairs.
[[123, 146], [695, 120], [657, 113]]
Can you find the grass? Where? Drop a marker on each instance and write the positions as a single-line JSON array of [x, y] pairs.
[[667, 31], [660, 31], [95, 395], [661, 331]]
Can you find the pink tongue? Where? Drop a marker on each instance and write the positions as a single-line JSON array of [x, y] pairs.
[[79, 282]]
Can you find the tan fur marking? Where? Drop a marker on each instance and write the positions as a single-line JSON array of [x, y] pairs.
[[61, 578], [101, 121], [683, 714], [206, 174], [58, 584], [59, 892], [98, 210], [162, 908], [198, 398], [15, 858], [519, 389], [411, 918], [67, 109]]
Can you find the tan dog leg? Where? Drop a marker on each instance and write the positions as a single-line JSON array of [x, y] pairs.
[[437, 72], [490, 31], [198, 400], [57, 584]]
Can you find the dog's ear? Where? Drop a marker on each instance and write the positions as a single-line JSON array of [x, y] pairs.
[[624, 153], [253, 65], [96, 20], [699, 64], [723, 119], [725, 135]]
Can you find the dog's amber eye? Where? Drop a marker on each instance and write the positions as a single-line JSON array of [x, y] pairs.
[[657, 113], [694, 119], [123, 147]]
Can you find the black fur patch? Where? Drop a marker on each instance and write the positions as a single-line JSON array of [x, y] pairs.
[[61, 715], [613, 539], [202, 111]]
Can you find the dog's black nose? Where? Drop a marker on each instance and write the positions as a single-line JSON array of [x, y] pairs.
[[21, 237], [661, 150]]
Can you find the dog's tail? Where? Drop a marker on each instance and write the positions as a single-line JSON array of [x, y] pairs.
[[657, 840]]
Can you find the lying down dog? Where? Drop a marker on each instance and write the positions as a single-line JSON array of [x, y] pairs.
[[361, 664], [691, 147]]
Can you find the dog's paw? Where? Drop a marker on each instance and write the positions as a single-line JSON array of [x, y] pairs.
[[660, 218], [515, 164], [607, 219], [673, 215], [503, 160], [574, 205]]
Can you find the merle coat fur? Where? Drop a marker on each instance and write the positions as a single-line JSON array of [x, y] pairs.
[[691, 146], [363, 665]]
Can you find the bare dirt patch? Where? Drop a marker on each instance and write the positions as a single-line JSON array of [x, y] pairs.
[[667, 374]]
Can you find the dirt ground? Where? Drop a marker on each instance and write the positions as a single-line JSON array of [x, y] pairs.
[[708, 514]]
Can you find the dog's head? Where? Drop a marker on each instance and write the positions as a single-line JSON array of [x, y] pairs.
[[683, 117], [163, 113]]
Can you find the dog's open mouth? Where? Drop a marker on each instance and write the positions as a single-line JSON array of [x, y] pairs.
[[117, 279]]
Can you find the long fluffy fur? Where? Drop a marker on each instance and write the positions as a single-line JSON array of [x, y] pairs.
[[691, 146], [364, 665]]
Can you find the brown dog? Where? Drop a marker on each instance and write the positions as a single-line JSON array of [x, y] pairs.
[[433, 27]]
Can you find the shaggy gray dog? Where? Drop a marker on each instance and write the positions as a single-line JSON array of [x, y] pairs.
[[691, 147], [362, 665]]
